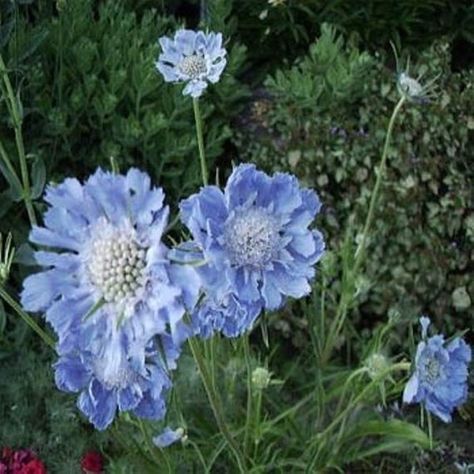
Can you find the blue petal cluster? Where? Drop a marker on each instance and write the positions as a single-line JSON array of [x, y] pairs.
[[168, 437], [111, 294], [256, 247], [192, 57], [439, 380]]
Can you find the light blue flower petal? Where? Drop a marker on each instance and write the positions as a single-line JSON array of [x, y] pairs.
[[70, 374], [99, 405], [168, 437]]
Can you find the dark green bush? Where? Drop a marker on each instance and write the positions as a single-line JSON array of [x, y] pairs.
[[91, 92], [423, 234]]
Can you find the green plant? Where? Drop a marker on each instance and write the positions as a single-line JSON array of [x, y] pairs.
[[423, 228]]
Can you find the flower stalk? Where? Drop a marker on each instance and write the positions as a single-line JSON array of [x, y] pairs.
[[216, 404], [200, 140], [27, 318], [12, 104], [345, 298]]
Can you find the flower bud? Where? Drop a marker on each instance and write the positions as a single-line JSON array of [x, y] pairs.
[[261, 378]]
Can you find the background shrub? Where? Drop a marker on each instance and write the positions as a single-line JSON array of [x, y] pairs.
[[419, 257]]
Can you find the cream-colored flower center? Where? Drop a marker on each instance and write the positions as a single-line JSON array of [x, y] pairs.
[[193, 66], [116, 265], [250, 237]]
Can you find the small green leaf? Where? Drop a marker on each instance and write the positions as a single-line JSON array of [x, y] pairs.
[[38, 178]]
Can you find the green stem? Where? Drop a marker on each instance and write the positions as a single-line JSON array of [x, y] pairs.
[[153, 450], [27, 318], [258, 411], [9, 165], [248, 418], [216, 404], [200, 139], [17, 123], [360, 252], [430, 428], [350, 407]]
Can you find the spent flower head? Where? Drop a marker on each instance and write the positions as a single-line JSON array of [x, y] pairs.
[[377, 364], [261, 378], [195, 58], [411, 88], [439, 380]]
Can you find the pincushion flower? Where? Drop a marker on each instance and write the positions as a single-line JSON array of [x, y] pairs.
[[110, 379], [439, 380], [108, 287], [195, 58], [106, 264], [256, 246]]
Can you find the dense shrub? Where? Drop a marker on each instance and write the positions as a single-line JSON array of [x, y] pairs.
[[424, 226], [90, 92]]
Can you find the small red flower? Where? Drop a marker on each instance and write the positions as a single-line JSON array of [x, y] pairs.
[[35, 466], [92, 463]]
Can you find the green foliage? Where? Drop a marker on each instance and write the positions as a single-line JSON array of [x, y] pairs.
[[91, 92], [37, 416], [282, 31], [419, 254], [330, 74]]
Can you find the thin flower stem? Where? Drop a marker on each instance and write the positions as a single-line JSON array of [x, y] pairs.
[[340, 418], [17, 122], [27, 318], [9, 165], [200, 139], [153, 450], [216, 404], [248, 418], [430, 428], [360, 251]]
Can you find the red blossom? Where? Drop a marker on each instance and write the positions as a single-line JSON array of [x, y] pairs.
[[35, 466], [92, 463]]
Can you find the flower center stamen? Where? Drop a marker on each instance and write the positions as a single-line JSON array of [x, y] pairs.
[[432, 370], [193, 66], [251, 237], [116, 266]]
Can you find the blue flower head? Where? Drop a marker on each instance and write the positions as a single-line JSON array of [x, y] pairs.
[[108, 378], [192, 57], [107, 285], [256, 246], [439, 380]]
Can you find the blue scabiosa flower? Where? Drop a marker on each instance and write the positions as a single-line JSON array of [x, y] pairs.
[[256, 246], [192, 57], [108, 286], [108, 378], [439, 380]]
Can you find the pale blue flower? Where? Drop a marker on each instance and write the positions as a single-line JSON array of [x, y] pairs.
[[256, 246], [439, 380], [168, 437], [192, 57], [109, 378], [108, 287]]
